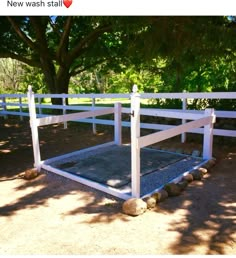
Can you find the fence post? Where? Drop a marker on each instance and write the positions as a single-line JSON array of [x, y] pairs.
[[20, 104], [34, 128], [39, 108], [184, 107], [117, 125], [135, 150], [4, 106], [208, 135], [64, 110], [93, 108]]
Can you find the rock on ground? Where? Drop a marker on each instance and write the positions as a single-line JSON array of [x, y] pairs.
[[209, 164], [172, 189], [134, 206], [160, 195], [151, 202], [197, 175], [182, 184], [188, 178], [29, 174]]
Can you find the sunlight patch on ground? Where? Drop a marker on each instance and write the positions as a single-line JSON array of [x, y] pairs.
[[107, 202], [21, 194], [187, 203], [231, 156], [212, 224], [206, 235], [10, 125], [228, 205], [5, 151], [3, 143], [31, 189]]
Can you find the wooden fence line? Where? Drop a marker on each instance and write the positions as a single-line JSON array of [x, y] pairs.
[[177, 113], [137, 142]]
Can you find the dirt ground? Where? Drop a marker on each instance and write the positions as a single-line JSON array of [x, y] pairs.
[[53, 215]]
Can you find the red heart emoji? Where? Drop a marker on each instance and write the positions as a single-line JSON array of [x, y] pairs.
[[67, 3]]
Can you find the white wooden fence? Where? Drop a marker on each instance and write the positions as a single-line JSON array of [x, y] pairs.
[[36, 122], [137, 142], [19, 102], [39, 164]]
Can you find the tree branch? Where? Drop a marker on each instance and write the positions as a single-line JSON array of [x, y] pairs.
[[39, 31], [21, 34], [20, 58], [76, 71], [54, 27], [63, 45], [39, 26], [88, 40]]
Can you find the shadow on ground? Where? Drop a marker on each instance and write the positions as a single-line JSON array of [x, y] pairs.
[[209, 205], [16, 156], [210, 217]]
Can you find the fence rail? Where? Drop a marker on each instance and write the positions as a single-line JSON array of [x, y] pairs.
[[137, 141], [18, 103], [179, 95]]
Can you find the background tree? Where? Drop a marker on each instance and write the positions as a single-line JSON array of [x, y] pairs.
[[64, 46], [187, 43], [11, 75], [120, 50]]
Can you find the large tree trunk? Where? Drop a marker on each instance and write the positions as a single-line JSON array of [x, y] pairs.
[[57, 83], [61, 84], [177, 87], [178, 84]]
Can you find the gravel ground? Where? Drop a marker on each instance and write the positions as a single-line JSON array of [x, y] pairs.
[[110, 165]]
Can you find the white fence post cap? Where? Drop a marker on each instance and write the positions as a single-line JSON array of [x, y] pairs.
[[135, 88], [30, 88]]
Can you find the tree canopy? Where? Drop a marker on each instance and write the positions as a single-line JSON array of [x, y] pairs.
[[63, 47]]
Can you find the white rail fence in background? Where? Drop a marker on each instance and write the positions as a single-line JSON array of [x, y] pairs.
[[19, 103]]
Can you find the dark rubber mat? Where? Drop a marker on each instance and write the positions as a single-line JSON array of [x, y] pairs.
[[112, 166]]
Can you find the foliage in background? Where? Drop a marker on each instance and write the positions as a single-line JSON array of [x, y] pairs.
[[15, 77], [34, 77], [63, 47], [11, 75], [110, 54], [100, 80]]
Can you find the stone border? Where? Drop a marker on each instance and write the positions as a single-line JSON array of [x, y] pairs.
[[137, 206]]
